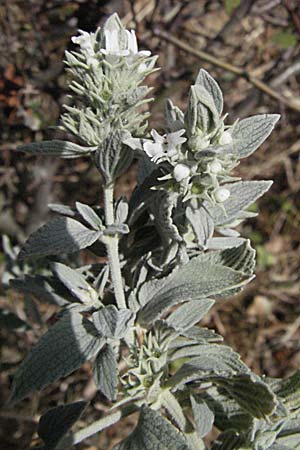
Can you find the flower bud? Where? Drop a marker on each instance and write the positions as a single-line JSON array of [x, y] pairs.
[[221, 195], [181, 171], [215, 167], [225, 138]]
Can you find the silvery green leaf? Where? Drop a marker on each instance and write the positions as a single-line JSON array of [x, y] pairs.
[[203, 276], [230, 440], [56, 148], [241, 258], [106, 372], [145, 168], [189, 350], [201, 112], [64, 210], [228, 413], [219, 243], [162, 206], [202, 335], [213, 361], [89, 215], [242, 195], [60, 235], [43, 288], [174, 116], [56, 422], [251, 393], [153, 432], [265, 440], [173, 408], [201, 222], [250, 133], [64, 348], [11, 321], [121, 210], [207, 81], [112, 322], [113, 157], [203, 415], [193, 441], [189, 314], [75, 283], [290, 391]]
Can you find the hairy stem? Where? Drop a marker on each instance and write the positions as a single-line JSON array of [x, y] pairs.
[[97, 426], [112, 246]]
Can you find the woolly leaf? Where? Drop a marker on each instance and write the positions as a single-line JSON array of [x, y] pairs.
[[63, 149], [189, 314], [201, 222], [64, 348], [75, 283], [60, 235], [112, 322], [89, 215], [213, 361], [229, 440], [250, 133], [106, 372], [242, 195], [204, 275], [203, 415], [251, 393], [57, 422], [173, 408], [153, 432], [207, 81]]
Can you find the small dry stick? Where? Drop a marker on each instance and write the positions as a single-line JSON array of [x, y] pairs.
[[229, 67]]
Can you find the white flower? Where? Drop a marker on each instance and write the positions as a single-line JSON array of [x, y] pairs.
[[155, 149], [225, 138], [86, 41], [112, 44], [215, 167], [181, 171], [174, 140], [221, 195]]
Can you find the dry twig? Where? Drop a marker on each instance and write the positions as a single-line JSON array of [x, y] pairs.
[[260, 85]]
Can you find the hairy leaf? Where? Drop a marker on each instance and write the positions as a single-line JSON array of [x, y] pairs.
[[106, 372], [60, 235], [153, 432], [230, 440], [207, 81], [75, 283], [64, 348], [63, 149], [203, 415], [250, 133], [112, 322], [242, 195], [204, 275], [173, 408], [201, 222], [189, 314], [89, 215], [57, 422]]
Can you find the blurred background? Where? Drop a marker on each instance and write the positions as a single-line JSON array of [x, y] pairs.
[[253, 49]]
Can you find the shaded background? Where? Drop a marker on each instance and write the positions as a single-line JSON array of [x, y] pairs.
[[255, 48]]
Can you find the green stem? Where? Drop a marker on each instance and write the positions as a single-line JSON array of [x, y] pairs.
[[112, 246], [97, 426]]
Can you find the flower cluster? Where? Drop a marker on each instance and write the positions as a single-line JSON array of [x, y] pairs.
[[197, 150], [107, 72]]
